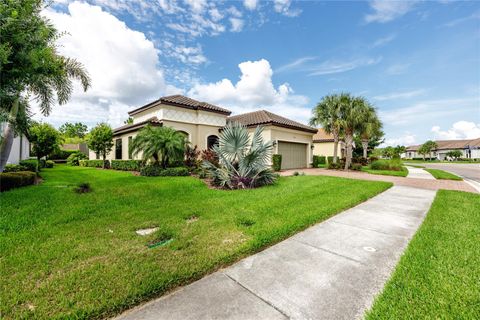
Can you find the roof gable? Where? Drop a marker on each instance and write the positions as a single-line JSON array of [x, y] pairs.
[[264, 117]]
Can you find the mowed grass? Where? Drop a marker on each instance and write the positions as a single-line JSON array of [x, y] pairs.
[[438, 276], [401, 173], [440, 174], [69, 255]]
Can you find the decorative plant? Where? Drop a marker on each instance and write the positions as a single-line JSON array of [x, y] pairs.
[[243, 163]]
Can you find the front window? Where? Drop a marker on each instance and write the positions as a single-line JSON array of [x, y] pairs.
[[212, 141], [129, 146], [118, 149]]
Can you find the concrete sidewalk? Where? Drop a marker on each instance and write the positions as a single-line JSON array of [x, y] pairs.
[[418, 173], [332, 270]]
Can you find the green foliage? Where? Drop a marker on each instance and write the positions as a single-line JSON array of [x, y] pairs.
[[61, 154], [94, 163], [100, 139], [319, 160], [164, 145], [10, 180], [277, 162], [128, 121], [192, 158], [327, 114], [356, 166], [330, 159], [14, 168], [242, 163], [154, 170], [49, 164], [334, 166], [394, 165], [393, 152], [44, 138], [127, 165], [454, 154], [30, 165], [75, 157], [210, 156], [73, 130]]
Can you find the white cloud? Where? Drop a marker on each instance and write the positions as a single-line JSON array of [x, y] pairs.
[[400, 95], [459, 130], [254, 90], [473, 16], [294, 64], [197, 6], [122, 63], [237, 24], [283, 7], [187, 55], [399, 68], [385, 11], [382, 41], [332, 66], [250, 4], [407, 139]]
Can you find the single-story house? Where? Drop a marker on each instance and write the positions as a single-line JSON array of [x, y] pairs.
[[470, 149], [201, 122], [323, 144]]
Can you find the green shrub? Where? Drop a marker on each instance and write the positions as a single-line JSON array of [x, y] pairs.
[[330, 159], [10, 180], [74, 158], [334, 166], [372, 159], [153, 170], [94, 163], [319, 160], [361, 160], [14, 168], [30, 165], [127, 165], [61, 154], [356, 166], [392, 165], [49, 164], [277, 162]]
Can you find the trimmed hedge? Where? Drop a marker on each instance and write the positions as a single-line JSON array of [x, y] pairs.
[[277, 162], [157, 171], [94, 163], [330, 159], [11, 180], [318, 160], [61, 154], [127, 165], [30, 165], [14, 168], [49, 164]]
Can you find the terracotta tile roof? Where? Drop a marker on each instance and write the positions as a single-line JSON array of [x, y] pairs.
[[135, 126], [451, 144], [264, 117], [322, 136], [183, 102]]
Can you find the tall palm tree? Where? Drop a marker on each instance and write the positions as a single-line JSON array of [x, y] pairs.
[[369, 127], [327, 114], [162, 144]]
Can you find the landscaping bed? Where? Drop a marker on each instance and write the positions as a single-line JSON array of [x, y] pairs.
[[444, 175], [401, 173], [77, 255], [437, 277]]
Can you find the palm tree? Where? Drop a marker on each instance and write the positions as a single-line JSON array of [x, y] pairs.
[[162, 144], [326, 114], [369, 127], [242, 163]]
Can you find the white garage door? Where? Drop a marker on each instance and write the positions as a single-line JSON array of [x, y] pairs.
[[294, 155]]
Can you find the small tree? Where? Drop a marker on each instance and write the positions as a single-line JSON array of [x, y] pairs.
[[454, 154], [44, 138], [428, 147], [100, 140], [423, 150], [128, 121], [73, 130]]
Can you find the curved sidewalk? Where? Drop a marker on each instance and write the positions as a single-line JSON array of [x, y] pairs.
[[332, 270], [398, 181]]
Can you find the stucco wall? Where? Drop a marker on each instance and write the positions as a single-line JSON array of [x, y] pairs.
[[325, 149], [20, 150]]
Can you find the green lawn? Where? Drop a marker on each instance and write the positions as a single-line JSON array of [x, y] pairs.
[[402, 173], [440, 174], [438, 276], [69, 255]]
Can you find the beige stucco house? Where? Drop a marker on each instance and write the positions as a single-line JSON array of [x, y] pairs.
[[323, 145], [201, 122]]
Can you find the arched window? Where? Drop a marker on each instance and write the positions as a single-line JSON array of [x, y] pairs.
[[184, 133], [212, 141]]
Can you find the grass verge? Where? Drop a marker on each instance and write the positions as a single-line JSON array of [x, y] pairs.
[[444, 175], [77, 255], [401, 173], [438, 275]]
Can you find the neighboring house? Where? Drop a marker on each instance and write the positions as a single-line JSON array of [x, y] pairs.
[[323, 145], [20, 150], [470, 149], [82, 147], [201, 122]]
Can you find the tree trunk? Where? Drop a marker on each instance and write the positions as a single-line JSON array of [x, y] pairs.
[[7, 136], [349, 142], [335, 147], [365, 148], [104, 157]]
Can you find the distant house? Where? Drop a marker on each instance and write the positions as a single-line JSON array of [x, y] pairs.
[[20, 150], [470, 149], [323, 145], [201, 122]]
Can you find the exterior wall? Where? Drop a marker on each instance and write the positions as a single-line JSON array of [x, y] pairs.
[[442, 154], [326, 149], [20, 150]]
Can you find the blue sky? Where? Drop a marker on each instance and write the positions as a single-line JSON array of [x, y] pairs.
[[418, 62]]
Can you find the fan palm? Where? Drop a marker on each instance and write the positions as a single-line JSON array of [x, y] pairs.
[[243, 163], [369, 127], [162, 144], [326, 113]]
